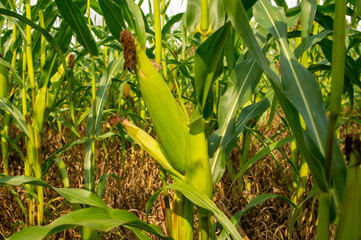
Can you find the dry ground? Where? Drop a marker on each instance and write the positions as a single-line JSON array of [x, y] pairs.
[[140, 178]]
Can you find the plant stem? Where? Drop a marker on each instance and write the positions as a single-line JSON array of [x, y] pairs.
[[323, 232], [4, 150], [204, 226], [92, 169], [29, 55], [338, 71], [168, 217], [204, 19], [158, 33], [42, 40], [182, 218]]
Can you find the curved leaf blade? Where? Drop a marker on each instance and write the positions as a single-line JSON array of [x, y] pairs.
[[6, 105], [113, 16], [103, 219], [73, 16], [203, 201]]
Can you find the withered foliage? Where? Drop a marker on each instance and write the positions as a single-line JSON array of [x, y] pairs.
[[127, 41]]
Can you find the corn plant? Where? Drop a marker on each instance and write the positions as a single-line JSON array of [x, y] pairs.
[[201, 88]]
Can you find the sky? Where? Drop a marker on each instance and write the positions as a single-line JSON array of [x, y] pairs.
[[177, 6]]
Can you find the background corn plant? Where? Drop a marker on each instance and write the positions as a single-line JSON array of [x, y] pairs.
[[216, 72]]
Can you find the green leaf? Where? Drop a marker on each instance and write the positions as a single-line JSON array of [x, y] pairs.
[[43, 31], [82, 196], [254, 202], [253, 111], [65, 123], [203, 201], [151, 201], [73, 16], [6, 105], [303, 91], [102, 182], [73, 195], [89, 171], [102, 92], [139, 21], [18, 180], [14, 145], [243, 81], [261, 153], [311, 152], [103, 219], [167, 27], [18, 79], [63, 171], [206, 60], [311, 41], [113, 16], [308, 13]]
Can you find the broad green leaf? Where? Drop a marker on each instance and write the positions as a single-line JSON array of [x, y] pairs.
[[18, 79], [301, 88], [6, 105], [308, 13], [103, 219], [351, 68], [82, 196], [252, 111], [282, 3], [73, 16], [89, 171], [113, 16], [63, 171], [73, 195], [151, 201], [241, 24], [14, 145], [18, 180], [167, 27], [19, 27], [139, 21], [206, 60], [102, 92], [96, 7], [203, 201], [43, 31], [141, 235], [311, 41], [241, 85]]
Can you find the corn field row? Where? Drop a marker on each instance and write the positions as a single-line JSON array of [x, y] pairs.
[[186, 90]]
